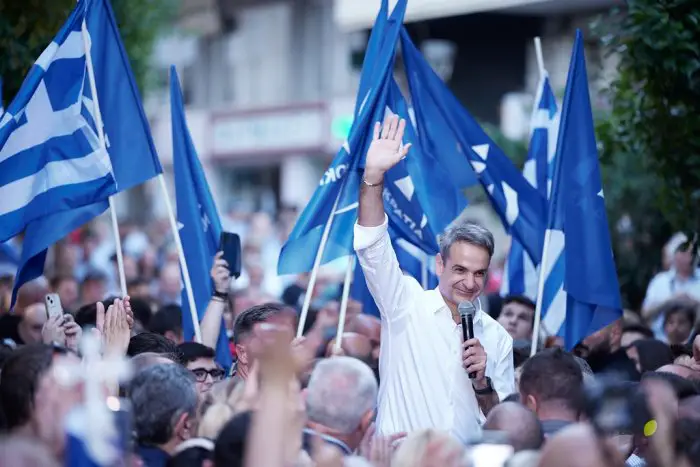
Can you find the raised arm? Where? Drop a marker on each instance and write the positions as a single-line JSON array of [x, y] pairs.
[[372, 243]]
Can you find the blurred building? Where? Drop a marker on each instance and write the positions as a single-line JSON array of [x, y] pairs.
[[270, 85]]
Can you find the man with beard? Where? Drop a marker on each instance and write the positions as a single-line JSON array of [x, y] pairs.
[[603, 352], [424, 365]]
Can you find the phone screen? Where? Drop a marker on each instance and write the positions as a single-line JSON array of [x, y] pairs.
[[230, 244]]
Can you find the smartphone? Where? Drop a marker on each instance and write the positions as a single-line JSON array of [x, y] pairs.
[[53, 305], [230, 244]]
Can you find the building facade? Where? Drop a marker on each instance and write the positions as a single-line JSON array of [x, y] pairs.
[[270, 85]]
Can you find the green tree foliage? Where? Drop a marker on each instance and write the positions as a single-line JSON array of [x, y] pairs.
[[650, 140], [28, 26]]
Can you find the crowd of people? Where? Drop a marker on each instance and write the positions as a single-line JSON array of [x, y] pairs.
[[401, 389]]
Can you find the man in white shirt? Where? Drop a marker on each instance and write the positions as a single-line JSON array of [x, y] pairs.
[[424, 365], [682, 280]]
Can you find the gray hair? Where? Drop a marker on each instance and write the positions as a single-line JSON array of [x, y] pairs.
[[159, 395], [340, 392], [468, 232]]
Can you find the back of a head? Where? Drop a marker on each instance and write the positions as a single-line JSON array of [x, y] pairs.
[[245, 322], [411, 452], [521, 425], [230, 444], [86, 315], [148, 359], [152, 342], [168, 318], [191, 351], [159, 394], [653, 354], [21, 374], [30, 293], [142, 311], [578, 446], [553, 375], [340, 392]]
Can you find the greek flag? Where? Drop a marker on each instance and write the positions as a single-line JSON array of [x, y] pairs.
[[51, 159], [51, 164], [521, 276], [578, 242]]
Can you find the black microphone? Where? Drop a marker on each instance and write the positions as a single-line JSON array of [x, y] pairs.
[[466, 312]]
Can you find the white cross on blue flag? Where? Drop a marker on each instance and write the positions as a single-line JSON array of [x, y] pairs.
[[50, 154], [54, 175]]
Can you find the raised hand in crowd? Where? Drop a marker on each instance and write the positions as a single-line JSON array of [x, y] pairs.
[[270, 435], [210, 324], [386, 149], [72, 331], [53, 331], [220, 274], [113, 326]]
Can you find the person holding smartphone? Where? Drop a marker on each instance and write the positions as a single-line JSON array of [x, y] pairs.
[[424, 365]]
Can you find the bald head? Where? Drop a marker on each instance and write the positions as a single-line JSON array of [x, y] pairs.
[[353, 345], [370, 327], [520, 424], [31, 293], [578, 446], [33, 319]]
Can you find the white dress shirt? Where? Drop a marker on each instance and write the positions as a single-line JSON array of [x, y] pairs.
[[423, 384], [664, 286]]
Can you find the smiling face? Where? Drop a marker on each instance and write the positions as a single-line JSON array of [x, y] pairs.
[[463, 272]]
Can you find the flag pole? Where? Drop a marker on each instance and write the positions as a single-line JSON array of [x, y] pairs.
[[540, 57], [317, 264], [344, 301], [183, 262], [540, 291], [103, 147]]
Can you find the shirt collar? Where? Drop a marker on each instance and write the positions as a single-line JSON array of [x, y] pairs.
[[331, 440], [436, 303]]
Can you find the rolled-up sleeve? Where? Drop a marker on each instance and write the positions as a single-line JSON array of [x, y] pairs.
[[384, 277]]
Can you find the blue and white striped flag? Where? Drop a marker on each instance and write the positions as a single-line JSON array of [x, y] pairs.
[[520, 275], [578, 245], [48, 137], [51, 159]]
